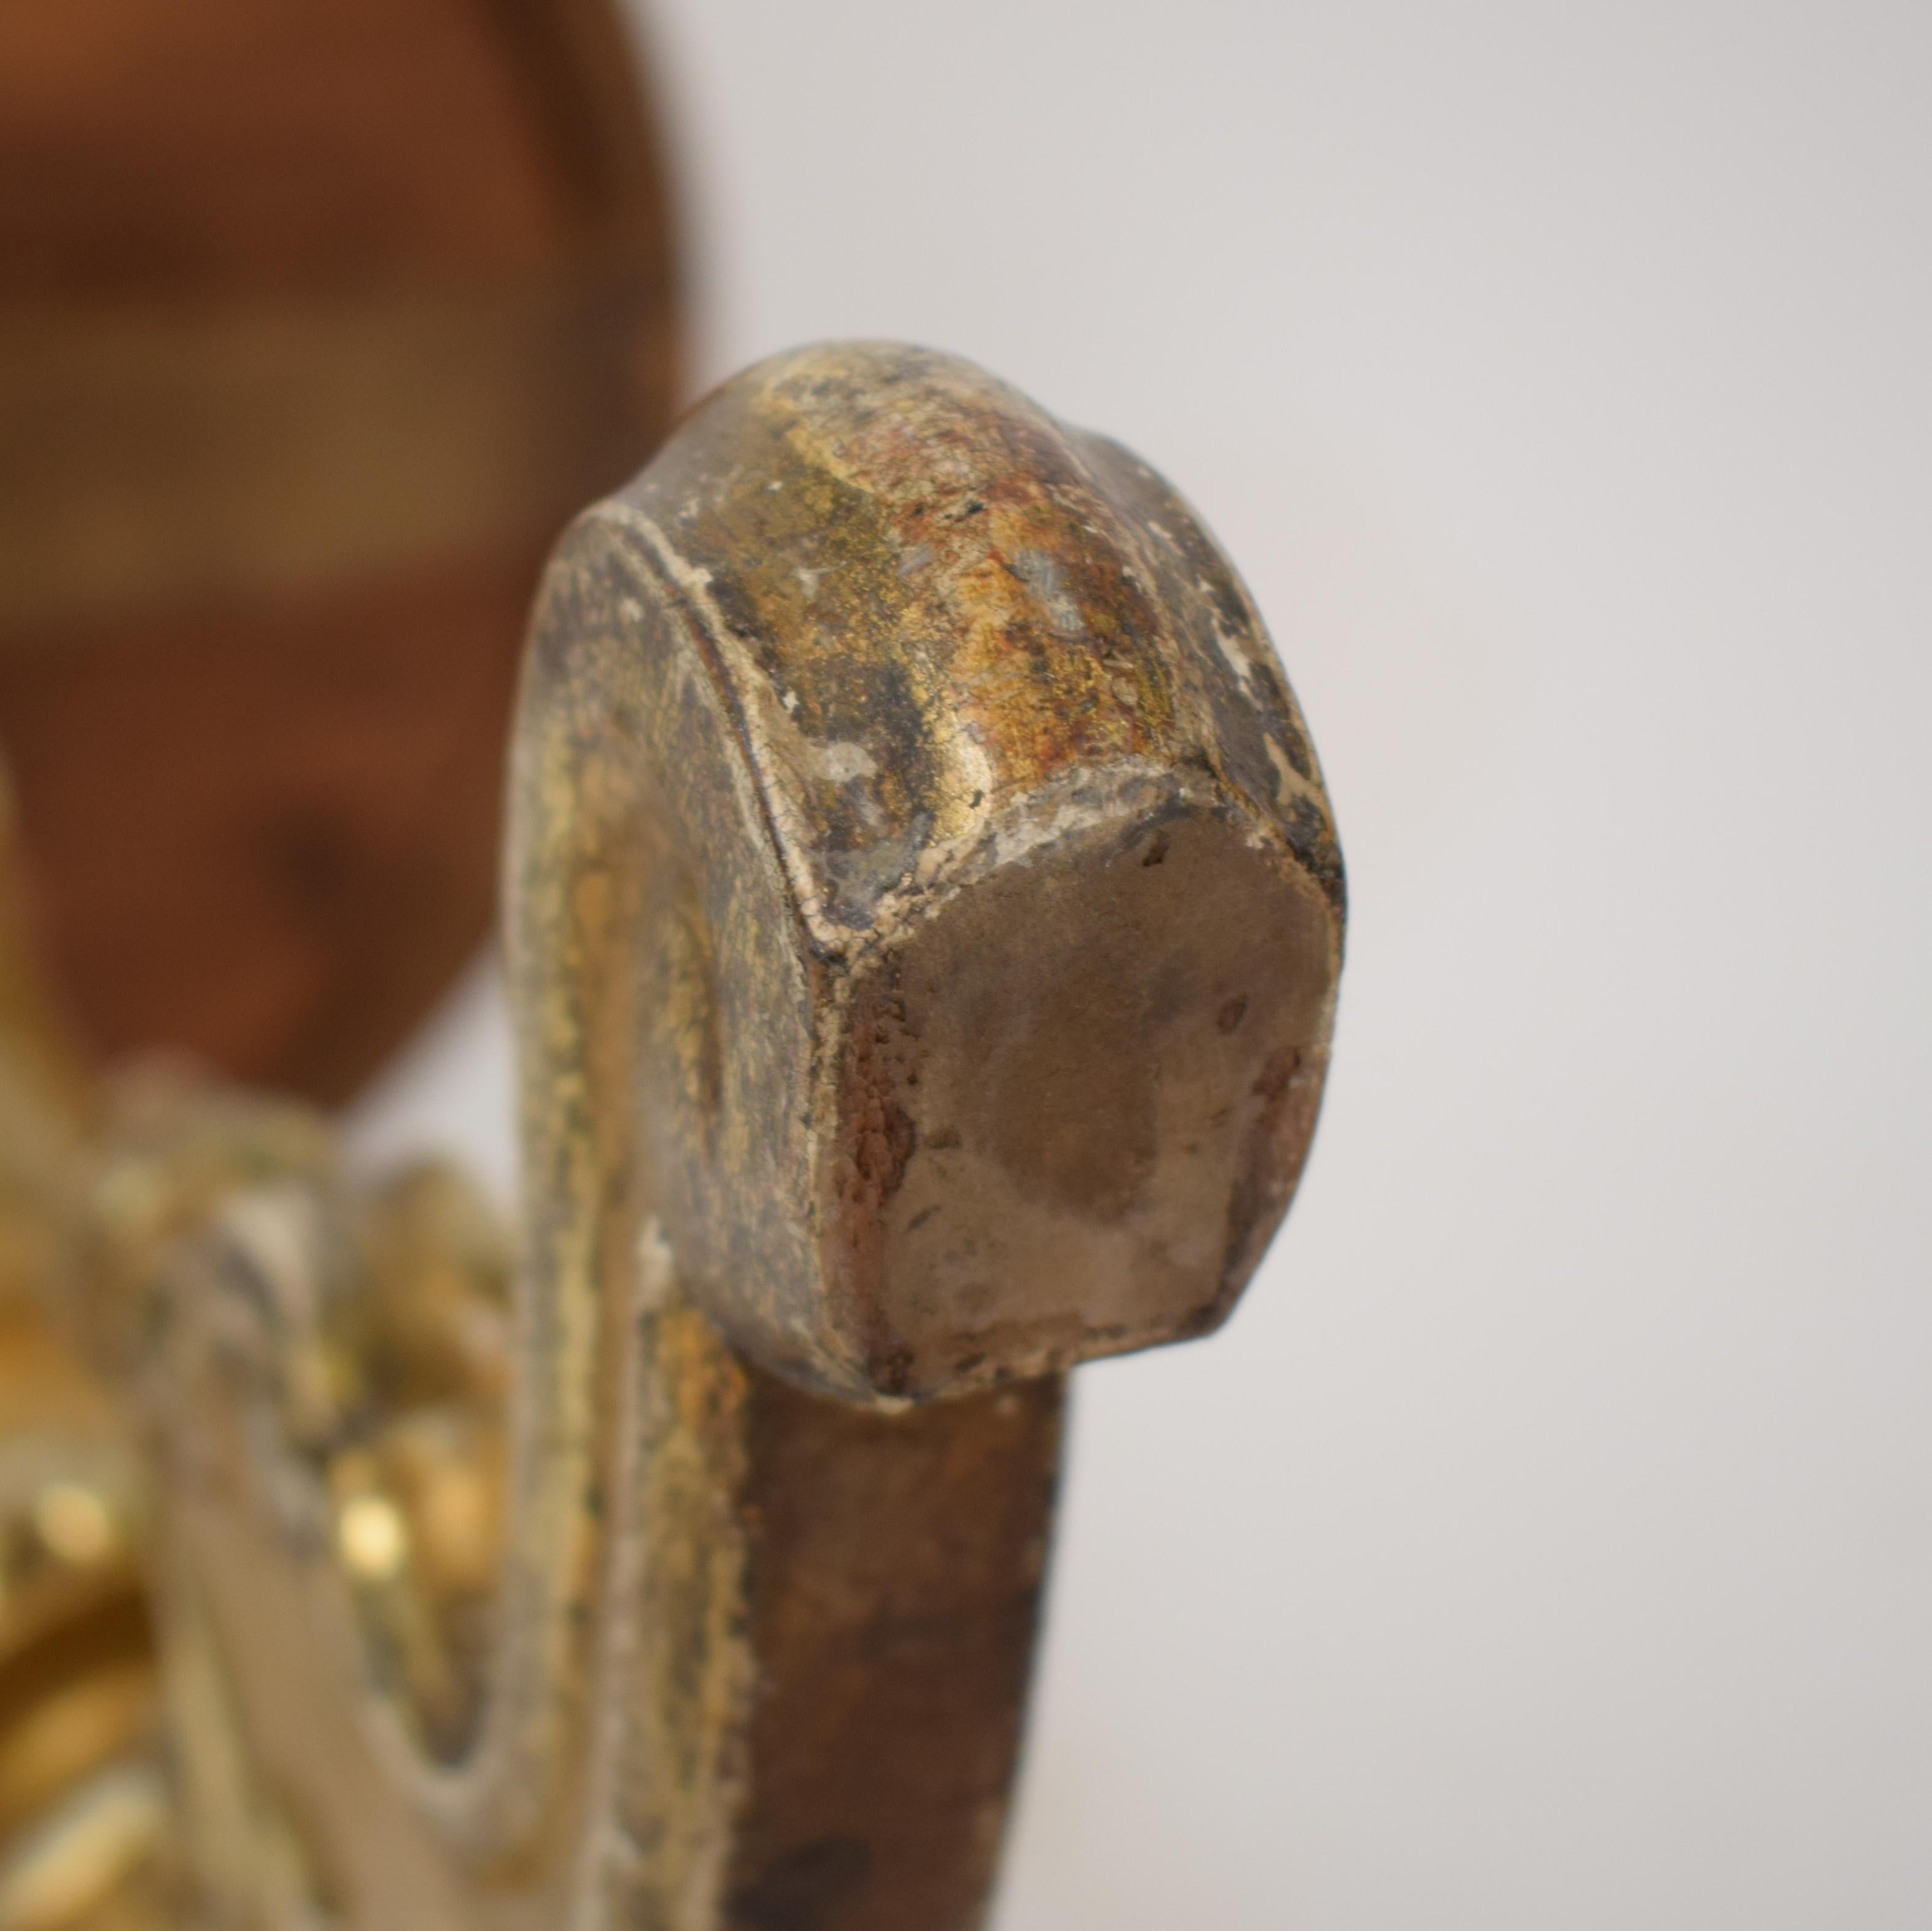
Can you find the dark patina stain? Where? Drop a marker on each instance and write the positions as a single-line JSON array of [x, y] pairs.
[[1265, 1175], [799, 1890]]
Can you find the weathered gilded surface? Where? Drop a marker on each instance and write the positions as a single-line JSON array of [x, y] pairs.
[[1007, 903], [924, 920]]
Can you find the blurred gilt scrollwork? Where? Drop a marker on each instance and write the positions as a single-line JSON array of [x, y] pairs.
[[363, 1325]]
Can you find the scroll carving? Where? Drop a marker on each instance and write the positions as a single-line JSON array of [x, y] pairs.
[[923, 920]]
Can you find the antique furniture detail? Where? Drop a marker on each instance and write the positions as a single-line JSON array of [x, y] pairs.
[[923, 916]]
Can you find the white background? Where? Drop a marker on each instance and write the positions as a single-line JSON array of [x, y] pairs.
[[1548, 1543]]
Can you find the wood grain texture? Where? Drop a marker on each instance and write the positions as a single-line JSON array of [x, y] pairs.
[[316, 322], [290, 905], [897, 1564]]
